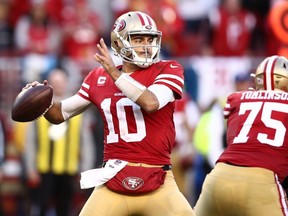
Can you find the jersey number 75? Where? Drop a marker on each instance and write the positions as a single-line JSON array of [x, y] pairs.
[[264, 109]]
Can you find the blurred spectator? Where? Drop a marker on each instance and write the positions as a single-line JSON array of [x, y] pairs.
[[231, 29], [243, 82], [209, 140], [37, 37], [195, 13], [22, 7], [55, 9], [191, 80], [183, 153], [260, 36], [82, 28], [120, 7], [19, 8], [11, 188], [54, 155], [6, 29], [195, 16], [169, 21]]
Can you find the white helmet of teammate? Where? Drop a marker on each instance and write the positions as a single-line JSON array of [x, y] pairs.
[[272, 74], [135, 23]]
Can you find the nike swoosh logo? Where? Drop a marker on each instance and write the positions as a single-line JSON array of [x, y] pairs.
[[173, 66]]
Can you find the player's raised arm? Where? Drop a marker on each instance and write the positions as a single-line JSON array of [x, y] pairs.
[[134, 90]]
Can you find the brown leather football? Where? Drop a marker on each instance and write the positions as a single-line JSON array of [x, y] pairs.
[[31, 103]]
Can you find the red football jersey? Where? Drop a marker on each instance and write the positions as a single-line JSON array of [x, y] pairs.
[[130, 133], [257, 133]]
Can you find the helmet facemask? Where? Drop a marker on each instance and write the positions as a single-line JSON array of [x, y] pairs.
[[152, 51]]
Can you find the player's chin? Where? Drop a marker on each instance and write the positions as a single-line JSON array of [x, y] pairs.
[[144, 56]]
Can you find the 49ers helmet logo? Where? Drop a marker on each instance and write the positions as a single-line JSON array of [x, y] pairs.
[[119, 25], [132, 183], [149, 27]]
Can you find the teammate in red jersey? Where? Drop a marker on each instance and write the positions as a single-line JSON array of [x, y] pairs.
[[136, 101], [250, 176]]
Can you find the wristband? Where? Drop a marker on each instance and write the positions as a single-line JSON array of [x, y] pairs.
[[130, 87]]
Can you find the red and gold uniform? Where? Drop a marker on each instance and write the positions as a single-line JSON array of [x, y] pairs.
[[247, 177], [133, 135]]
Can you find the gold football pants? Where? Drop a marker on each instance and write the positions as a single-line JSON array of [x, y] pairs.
[[241, 191], [166, 201]]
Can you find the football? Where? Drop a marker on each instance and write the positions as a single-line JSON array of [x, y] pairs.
[[31, 103]]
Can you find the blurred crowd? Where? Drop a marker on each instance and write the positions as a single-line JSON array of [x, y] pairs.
[[71, 28], [38, 37]]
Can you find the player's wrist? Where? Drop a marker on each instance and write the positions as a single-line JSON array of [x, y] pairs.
[[130, 87], [115, 74]]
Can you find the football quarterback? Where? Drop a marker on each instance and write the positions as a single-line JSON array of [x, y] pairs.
[[136, 101]]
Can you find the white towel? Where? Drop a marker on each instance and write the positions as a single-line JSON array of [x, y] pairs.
[[96, 177]]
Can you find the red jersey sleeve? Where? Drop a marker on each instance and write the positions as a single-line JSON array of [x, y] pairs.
[[172, 76], [85, 87]]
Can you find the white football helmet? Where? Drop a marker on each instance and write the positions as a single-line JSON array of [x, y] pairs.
[[135, 23], [272, 74]]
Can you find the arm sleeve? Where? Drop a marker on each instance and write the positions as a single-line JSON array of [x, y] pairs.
[[163, 93], [73, 106]]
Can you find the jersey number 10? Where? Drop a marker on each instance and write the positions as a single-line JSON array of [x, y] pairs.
[[113, 137]]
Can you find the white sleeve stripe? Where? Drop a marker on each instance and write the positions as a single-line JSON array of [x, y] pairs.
[[227, 105], [170, 76], [226, 113], [83, 92], [85, 85], [170, 83], [163, 93]]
